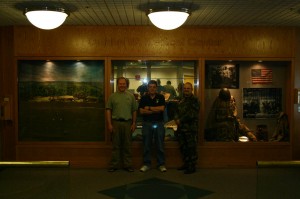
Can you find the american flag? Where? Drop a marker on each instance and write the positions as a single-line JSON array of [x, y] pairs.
[[261, 76]]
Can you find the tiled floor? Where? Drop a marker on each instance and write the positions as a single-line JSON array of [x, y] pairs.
[[99, 184]]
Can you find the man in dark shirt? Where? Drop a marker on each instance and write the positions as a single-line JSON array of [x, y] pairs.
[[142, 89], [151, 107]]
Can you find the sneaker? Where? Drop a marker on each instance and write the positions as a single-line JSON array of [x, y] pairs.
[[129, 169], [162, 168], [144, 168]]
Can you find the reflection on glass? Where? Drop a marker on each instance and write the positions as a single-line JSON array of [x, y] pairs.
[[170, 76]]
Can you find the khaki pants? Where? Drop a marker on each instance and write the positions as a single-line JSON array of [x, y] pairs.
[[121, 141]]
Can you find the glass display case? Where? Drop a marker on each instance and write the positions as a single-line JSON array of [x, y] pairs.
[[246, 101], [61, 100], [169, 74], [241, 101]]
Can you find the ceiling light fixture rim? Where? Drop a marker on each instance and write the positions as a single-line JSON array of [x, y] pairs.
[[184, 10], [45, 8]]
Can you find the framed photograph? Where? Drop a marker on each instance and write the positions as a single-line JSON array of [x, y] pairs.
[[222, 76], [262, 102]]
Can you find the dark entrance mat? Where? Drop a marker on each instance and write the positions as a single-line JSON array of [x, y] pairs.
[[155, 188]]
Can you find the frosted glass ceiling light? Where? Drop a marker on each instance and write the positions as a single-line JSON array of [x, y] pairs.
[[45, 18], [168, 19]]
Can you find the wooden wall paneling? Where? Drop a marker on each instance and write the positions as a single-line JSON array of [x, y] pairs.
[[111, 42], [290, 104], [296, 74], [7, 89], [108, 91], [79, 154], [150, 41], [220, 155], [201, 98], [2, 47]]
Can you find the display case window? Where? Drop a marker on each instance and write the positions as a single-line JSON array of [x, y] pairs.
[[61, 100], [254, 110], [172, 72]]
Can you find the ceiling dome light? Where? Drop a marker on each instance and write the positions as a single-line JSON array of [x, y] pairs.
[[45, 18], [168, 19]]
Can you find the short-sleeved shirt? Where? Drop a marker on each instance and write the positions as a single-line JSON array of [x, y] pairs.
[[160, 89], [122, 105], [158, 100], [170, 89]]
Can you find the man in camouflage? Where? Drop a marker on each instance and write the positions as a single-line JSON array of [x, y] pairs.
[[186, 118]]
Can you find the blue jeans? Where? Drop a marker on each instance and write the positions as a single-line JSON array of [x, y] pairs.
[[156, 131]]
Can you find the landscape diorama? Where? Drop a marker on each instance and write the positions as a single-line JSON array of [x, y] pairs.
[[61, 100]]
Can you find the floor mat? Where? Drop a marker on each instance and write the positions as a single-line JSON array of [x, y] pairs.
[[155, 188]]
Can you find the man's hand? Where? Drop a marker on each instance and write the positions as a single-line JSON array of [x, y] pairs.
[[133, 126], [110, 128]]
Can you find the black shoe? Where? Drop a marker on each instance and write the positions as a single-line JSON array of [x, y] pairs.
[[112, 169], [189, 171], [129, 169], [183, 167]]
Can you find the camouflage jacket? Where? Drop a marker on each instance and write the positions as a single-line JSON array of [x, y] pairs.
[[187, 113]]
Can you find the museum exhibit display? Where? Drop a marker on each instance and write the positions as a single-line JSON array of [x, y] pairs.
[[61, 100], [248, 104]]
